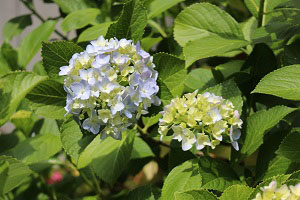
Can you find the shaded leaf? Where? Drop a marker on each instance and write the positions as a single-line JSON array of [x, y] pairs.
[[15, 26]]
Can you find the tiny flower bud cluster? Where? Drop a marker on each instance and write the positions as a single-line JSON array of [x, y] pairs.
[[112, 82], [283, 193], [201, 119]]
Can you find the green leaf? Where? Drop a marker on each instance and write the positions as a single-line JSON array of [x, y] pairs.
[[216, 174], [200, 79], [259, 123], [182, 178], [290, 147], [24, 121], [150, 121], [157, 6], [39, 69], [144, 192], [72, 139], [253, 6], [131, 23], [12, 173], [148, 42], [230, 68], [230, 91], [283, 82], [94, 32], [36, 149], [58, 54], [13, 88], [240, 192], [195, 195], [209, 46], [164, 93], [171, 72], [8, 141], [32, 42], [278, 166], [69, 6], [15, 26], [79, 19], [48, 99], [291, 54], [4, 65], [203, 19], [10, 55], [108, 157], [140, 149]]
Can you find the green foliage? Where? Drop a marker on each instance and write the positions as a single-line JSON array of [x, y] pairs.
[[241, 192], [15, 26], [79, 19], [93, 32], [195, 194], [32, 42], [290, 147]]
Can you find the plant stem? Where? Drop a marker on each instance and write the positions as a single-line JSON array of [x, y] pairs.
[[42, 19], [98, 189], [261, 13]]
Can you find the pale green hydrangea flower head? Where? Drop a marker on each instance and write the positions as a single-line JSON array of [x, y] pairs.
[[201, 120], [284, 192]]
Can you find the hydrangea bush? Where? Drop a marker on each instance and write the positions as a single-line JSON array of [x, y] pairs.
[[172, 99]]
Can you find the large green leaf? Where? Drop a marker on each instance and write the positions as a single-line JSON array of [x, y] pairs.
[[216, 175], [108, 157], [12, 173], [69, 6], [290, 147], [58, 54], [171, 72], [131, 23], [94, 32], [202, 20], [182, 178], [200, 79], [32, 42], [260, 122], [140, 149], [36, 149], [79, 19], [230, 91], [15, 26], [253, 6], [283, 82], [240, 192], [209, 46], [72, 139], [195, 195], [157, 6], [48, 99], [13, 88]]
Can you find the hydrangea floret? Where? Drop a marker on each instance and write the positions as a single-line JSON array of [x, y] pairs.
[[284, 192], [201, 120], [111, 83]]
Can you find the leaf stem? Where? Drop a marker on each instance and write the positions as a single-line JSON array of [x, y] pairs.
[[41, 18]]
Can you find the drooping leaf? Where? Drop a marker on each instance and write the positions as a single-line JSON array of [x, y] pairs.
[[202, 20], [48, 99], [108, 157], [195, 195], [199, 79], [32, 42], [36, 149], [230, 91], [283, 82], [157, 6], [209, 46], [182, 178], [131, 23], [260, 122], [240, 192], [290, 147], [79, 19], [69, 6], [58, 54], [72, 139], [216, 175], [171, 72], [15, 26], [140, 149], [13, 88], [12, 173], [94, 32]]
